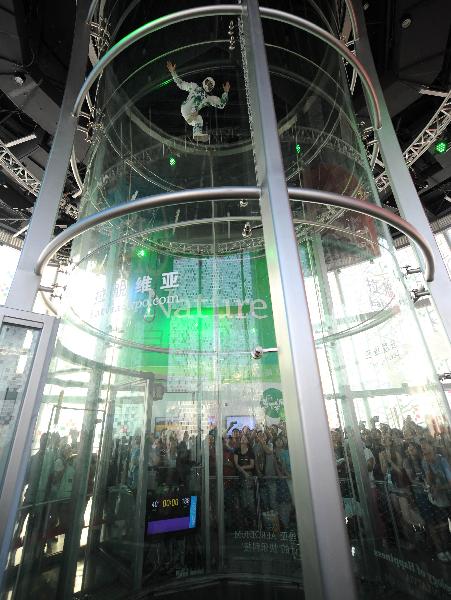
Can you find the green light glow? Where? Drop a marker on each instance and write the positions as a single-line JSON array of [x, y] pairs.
[[172, 161], [141, 253], [441, 147], [298, 148]]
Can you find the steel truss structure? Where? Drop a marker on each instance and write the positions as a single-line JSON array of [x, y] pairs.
[[21, 175], [18, 171], [430, 134]]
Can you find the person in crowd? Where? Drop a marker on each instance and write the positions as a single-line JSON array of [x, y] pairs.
[[230, 487], [266, 470], [374, 471], [62, 482], [372, 444], [398, 485], [438, 474], [284, 483], [183, 462], [244, 460], [347, 481], [133, 467], [234, 440], [74, 435], [435, 517]]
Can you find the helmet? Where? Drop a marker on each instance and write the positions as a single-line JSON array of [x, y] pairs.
[[208, 84]]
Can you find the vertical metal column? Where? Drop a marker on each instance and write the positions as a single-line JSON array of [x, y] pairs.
[[402, 186], [447, 236], [11, 488], [325, 552], [337, 362], [141, 491], [25, 283], [71, 550], [99, 495]]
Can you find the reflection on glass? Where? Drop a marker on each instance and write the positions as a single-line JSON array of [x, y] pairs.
[[160, 459], [17, 349], [170, 460], [388, 415]]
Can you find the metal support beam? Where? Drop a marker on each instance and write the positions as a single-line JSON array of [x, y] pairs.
[[325, 551], [11, 488], [26, 283], [401, 183]]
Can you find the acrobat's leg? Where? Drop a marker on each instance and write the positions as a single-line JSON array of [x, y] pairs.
[[198, 135]]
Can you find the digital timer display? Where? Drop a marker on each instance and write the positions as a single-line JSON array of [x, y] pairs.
[[171, 514]]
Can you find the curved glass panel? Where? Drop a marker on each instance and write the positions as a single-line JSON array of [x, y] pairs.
[[161, 461], [388, 415]]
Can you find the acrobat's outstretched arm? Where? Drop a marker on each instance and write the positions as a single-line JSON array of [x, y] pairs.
[[183, 85], [222, 101]]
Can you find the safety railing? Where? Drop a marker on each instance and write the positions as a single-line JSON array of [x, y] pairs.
[[233, 9], [239, 192]]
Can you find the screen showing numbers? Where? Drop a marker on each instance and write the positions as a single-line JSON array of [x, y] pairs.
[[171, 514]]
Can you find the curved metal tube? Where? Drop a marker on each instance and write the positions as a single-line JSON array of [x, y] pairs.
[[75, 171], [340, 47], [374, 154], [137, 34], [91, 11], [199, 195], [195, 195], [233, 9], [352, 18]]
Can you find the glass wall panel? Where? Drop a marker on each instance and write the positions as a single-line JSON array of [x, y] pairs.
[[160, 454], [160, 461], [388, 415], [427, 315], [17, 349]]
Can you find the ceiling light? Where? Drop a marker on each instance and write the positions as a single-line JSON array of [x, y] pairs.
[[21, 140], [19, 78], [406, 21], [441, 146]]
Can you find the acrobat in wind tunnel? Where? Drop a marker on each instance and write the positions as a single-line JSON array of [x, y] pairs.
[[198, 98]]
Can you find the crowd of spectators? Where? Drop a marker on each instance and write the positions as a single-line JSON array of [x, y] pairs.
[[255, 465], [409, 476]]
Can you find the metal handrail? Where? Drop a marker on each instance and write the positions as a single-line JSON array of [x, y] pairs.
[[86, 223], [233, 9], [340, 47], [223, 193], [75, 171]]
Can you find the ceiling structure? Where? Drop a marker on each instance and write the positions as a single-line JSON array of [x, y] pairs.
[[411, 41]]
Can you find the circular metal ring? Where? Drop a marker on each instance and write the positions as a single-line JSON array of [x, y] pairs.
[[233, 9], [223, 193]]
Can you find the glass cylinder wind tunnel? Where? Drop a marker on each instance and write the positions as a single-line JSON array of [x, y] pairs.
[[161, 460]]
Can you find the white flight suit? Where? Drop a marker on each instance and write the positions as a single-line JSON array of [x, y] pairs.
[[197, 99]]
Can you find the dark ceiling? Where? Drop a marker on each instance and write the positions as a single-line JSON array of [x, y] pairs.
[[35, 42]]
